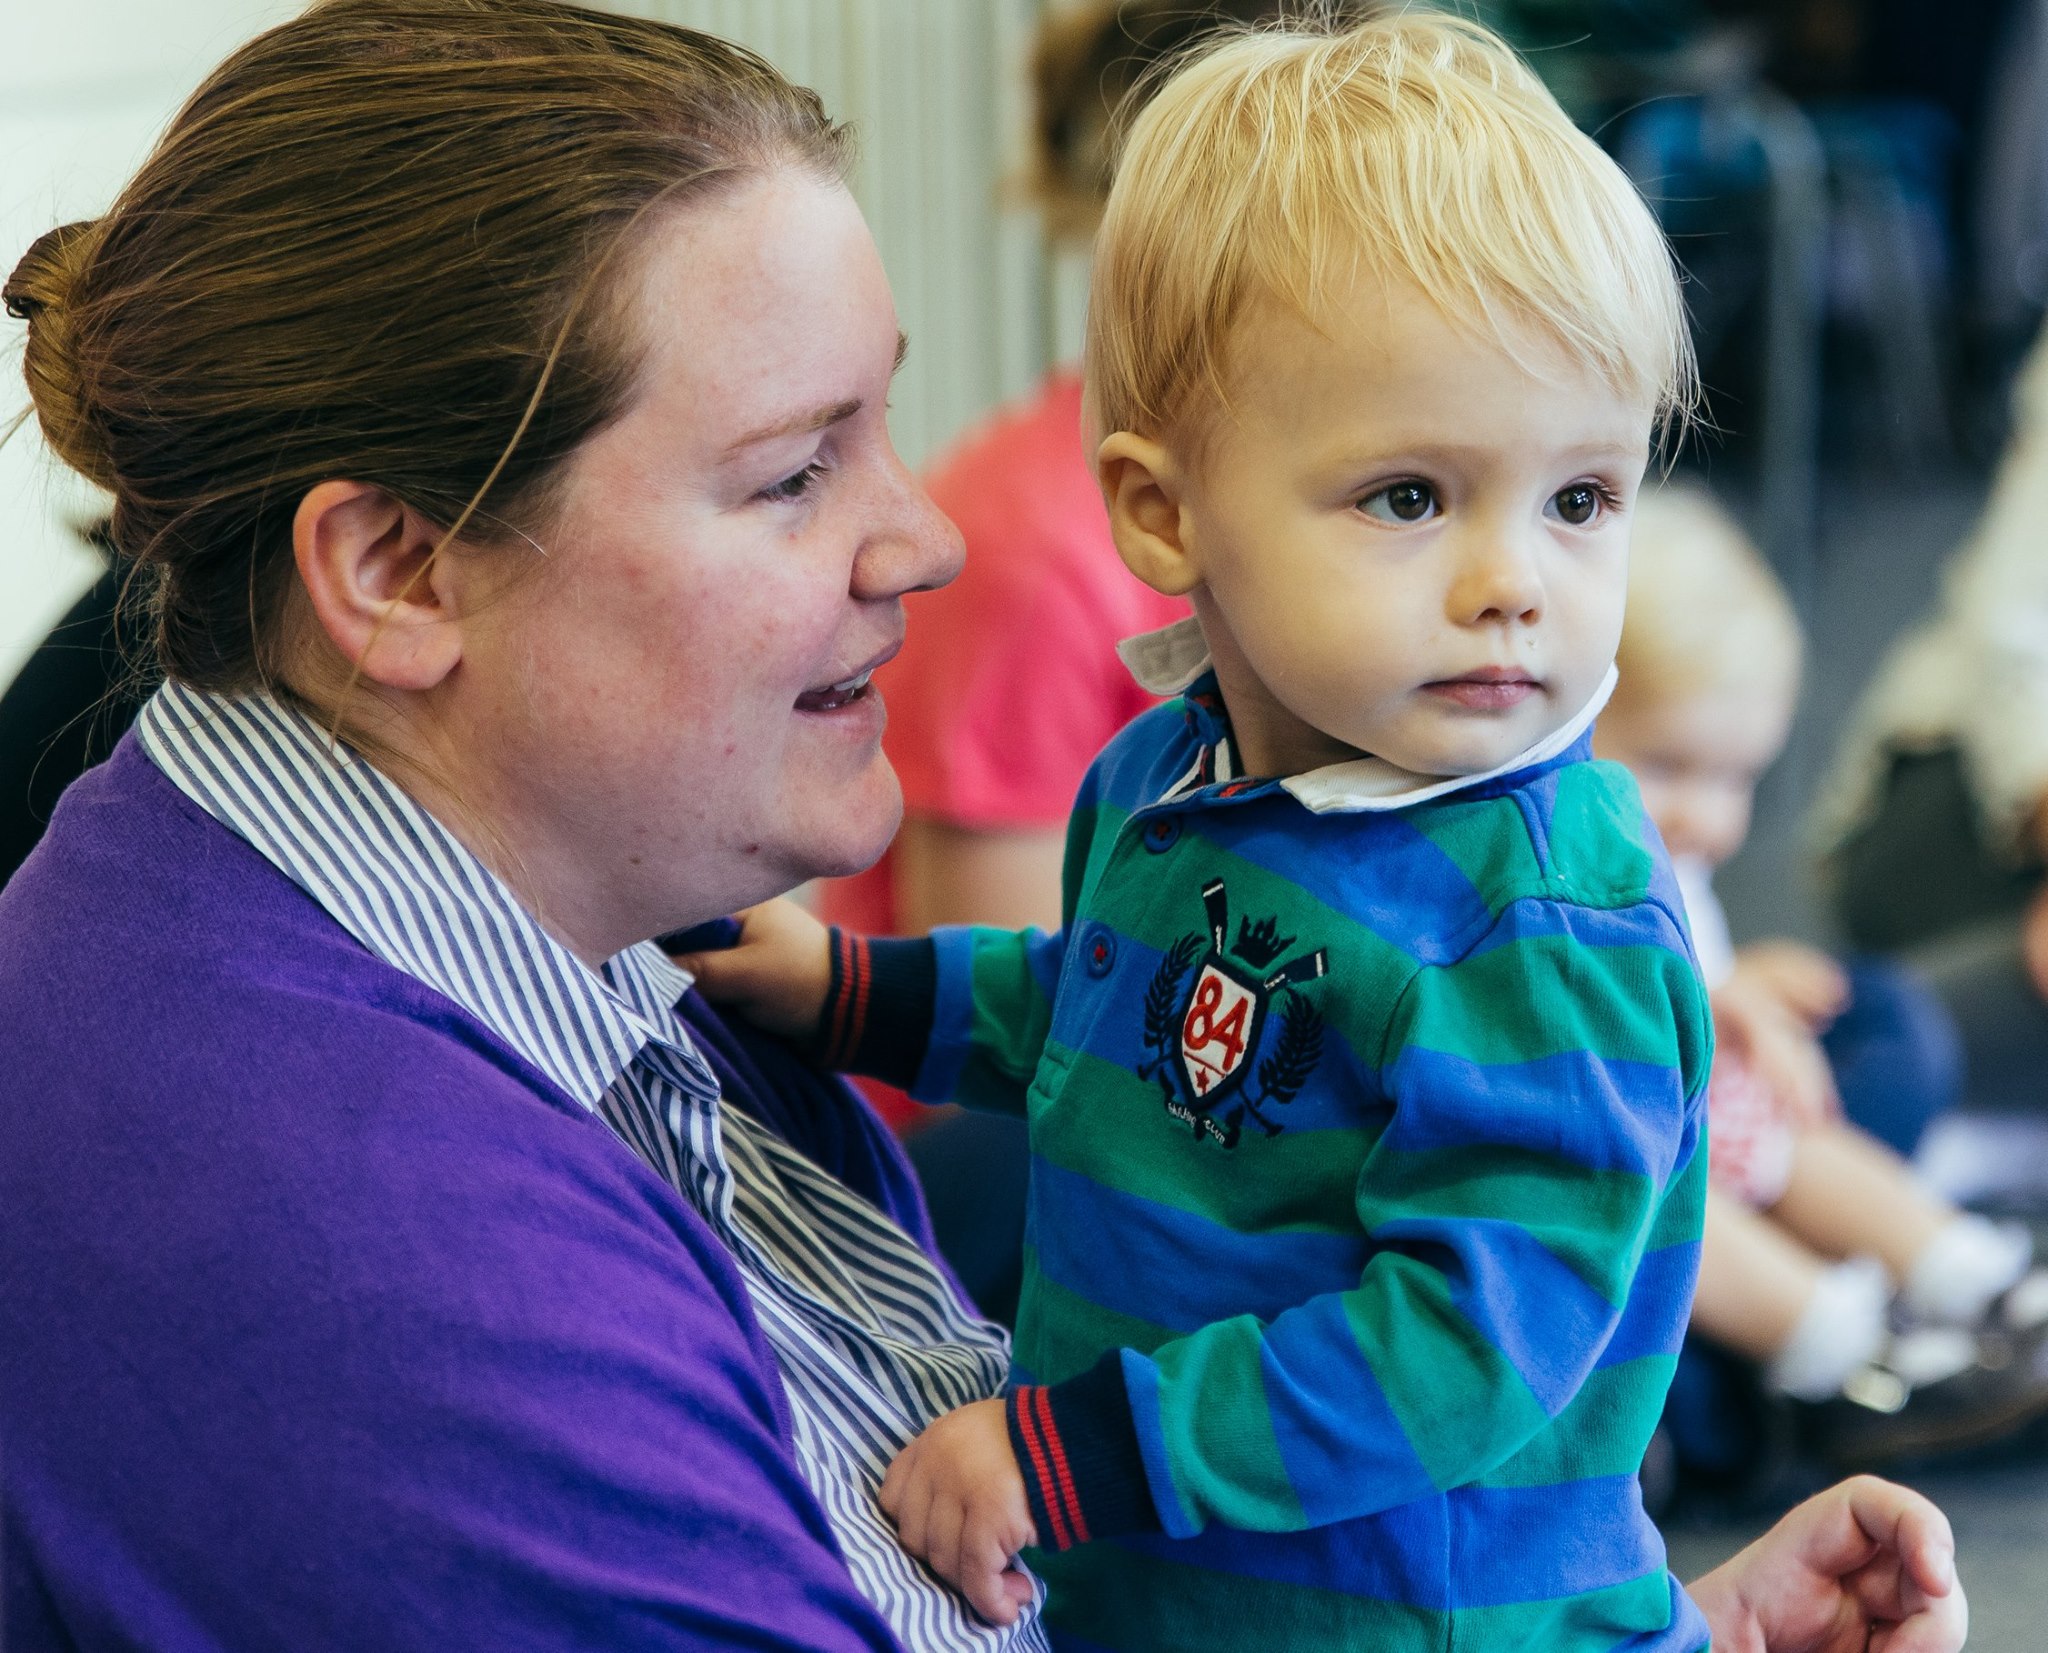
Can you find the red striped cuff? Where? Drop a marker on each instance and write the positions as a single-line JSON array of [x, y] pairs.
[[1077, 1445], [879, 1008]]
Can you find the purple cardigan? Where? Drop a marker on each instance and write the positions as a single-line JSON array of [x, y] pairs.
[[327, 1322]]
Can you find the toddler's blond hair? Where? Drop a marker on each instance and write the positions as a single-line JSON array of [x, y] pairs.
[[1704, 608], [1419, 145]]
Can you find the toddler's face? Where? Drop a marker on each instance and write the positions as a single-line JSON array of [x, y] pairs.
[[1409, 544], [1698, 757]]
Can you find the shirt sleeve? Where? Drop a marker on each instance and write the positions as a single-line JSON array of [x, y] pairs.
[[1002, 699], [961, 1015], [1544, 1094]]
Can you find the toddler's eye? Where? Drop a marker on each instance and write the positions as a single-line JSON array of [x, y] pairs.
[[1579, 504], [1401, 502]]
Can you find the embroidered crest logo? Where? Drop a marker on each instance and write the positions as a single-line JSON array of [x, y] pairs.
[[1208, 1038]]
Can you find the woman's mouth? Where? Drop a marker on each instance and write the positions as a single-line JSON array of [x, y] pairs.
[[1491, 689], [834, 696]]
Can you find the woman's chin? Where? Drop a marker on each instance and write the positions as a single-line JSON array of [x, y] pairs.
[[852, 828]]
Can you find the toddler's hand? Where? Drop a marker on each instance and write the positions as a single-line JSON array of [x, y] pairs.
[[1803, 979], [1865, 1567], [957, 1498], [778, 973], [1786, 1055]]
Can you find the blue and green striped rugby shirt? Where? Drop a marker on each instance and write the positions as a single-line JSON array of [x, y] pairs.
[[1366, 1190]]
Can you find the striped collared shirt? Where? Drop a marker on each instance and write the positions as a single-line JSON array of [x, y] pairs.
[[871, 1343]]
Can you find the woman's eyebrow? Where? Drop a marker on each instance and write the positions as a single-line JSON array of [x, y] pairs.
[[797, 424], [802, 424]]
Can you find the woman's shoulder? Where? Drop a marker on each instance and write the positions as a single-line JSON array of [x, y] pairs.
[[163, 984], [143, 935]]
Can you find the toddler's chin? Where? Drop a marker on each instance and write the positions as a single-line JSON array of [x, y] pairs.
[[1468, 752]]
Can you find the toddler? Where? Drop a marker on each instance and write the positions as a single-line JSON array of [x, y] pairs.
[[1365, 1078], [1824, 1260]]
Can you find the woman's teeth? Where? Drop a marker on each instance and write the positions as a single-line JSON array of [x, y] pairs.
[[835, 695]]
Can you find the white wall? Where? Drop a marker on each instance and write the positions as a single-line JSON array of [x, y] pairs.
[[84, 87]]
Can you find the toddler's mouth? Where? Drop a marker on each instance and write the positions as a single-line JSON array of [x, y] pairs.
[[1489, 689]]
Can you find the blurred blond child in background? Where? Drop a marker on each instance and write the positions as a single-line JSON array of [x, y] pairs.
[[1908, 1325]]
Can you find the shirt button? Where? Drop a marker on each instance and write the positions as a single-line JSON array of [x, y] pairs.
[[1162, 832], [1099, 952]]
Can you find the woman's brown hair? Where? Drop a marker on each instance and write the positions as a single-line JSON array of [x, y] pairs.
[[382, 242]]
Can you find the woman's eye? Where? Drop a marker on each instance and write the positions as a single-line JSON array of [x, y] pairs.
[[1579, 504], [797, 485], [1401, 502]]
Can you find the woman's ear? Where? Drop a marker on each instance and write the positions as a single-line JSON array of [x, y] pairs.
[[1142, 486], [375, 585]]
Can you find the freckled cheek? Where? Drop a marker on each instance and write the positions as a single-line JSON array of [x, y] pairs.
[[738, 625]]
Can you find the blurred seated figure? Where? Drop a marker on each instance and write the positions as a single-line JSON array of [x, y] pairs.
[[1935, 826], [65, 709], [1890, 1316]]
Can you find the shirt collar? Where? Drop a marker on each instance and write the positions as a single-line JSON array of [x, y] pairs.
[[1175, 660], [405, 887]]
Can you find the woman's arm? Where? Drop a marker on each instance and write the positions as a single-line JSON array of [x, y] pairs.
[[1865, 1567]]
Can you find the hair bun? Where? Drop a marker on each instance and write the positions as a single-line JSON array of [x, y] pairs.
[[41, 292]]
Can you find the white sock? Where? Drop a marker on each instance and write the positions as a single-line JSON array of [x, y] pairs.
[[1963, 1268], [1841, 1329], [1927, 1354]]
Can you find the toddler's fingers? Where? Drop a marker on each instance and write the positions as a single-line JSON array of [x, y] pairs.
[[944, 1530], [716, 975], [1007, 1527], [991, 1595], [985, 1552], [913, 1515], [1018, 1588]]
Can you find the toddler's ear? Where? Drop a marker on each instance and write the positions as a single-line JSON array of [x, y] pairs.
[[1141, 484]]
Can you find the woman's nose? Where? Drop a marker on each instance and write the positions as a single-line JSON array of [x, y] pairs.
[[915, 547]]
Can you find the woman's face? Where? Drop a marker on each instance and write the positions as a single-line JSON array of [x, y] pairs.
[[675, 715]]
